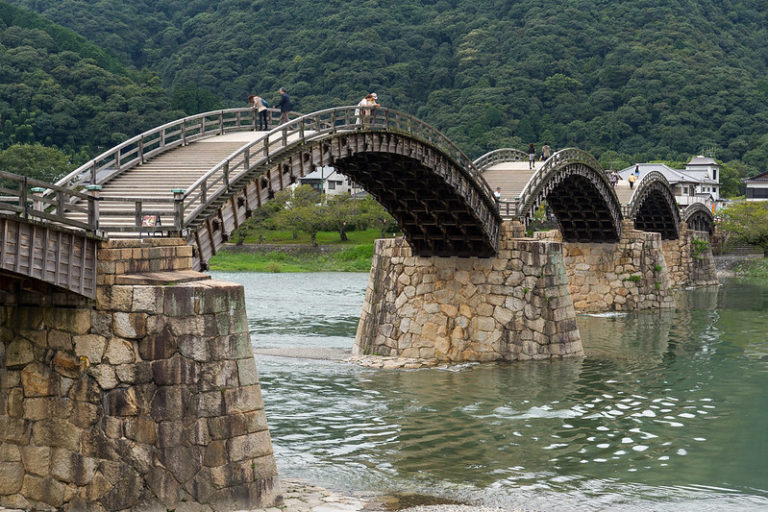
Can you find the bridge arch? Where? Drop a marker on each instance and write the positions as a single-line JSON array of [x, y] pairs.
[[578, 193], [435, 193], [499, 156], [654, 208], [698, 218]]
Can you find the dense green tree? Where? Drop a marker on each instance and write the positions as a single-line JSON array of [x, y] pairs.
[[643, 80], [35, 161], [746, 222]]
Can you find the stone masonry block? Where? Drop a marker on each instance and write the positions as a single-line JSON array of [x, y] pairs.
[[249, 446], [243, 399]]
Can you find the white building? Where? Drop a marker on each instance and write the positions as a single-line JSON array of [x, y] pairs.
[[757, 187], [330, 182], [699, 182]]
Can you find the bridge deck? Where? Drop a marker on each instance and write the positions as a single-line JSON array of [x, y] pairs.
[[513, 176], [177, 168]]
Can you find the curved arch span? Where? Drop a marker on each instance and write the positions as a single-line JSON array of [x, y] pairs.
[[437, 196], [698, 218], [499, 156], [579, 194], [654, 208]]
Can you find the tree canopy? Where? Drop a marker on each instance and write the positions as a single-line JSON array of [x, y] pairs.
[[643, 80]]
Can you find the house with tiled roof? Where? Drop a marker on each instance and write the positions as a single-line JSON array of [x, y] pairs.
[[757, 187], [699, 182]]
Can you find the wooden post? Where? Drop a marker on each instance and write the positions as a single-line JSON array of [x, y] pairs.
[[178, 209], [37, 195], [93, 208]]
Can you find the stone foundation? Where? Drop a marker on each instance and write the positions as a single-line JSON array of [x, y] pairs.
[[689, 259], [514, 306], [641, 271], [630, 274], [146, 400]]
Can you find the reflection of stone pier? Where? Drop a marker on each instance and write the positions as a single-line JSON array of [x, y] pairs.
[[147, 398], [514, 306]]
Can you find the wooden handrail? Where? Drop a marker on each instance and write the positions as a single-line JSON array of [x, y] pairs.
[[31, 203], [500, 155], [136, 150]]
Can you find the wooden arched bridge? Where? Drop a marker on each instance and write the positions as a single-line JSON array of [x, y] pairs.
[[579, 194], [202, 176]]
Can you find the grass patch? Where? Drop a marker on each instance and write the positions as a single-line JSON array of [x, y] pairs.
[[352, 259], [285, 236]]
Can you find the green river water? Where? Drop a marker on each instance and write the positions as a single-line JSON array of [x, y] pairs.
[[668, 411]]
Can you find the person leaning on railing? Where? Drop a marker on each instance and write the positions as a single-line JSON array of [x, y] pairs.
[[364, 113], [284, 105]]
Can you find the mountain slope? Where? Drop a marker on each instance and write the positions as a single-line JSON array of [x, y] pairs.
[[625, 80]]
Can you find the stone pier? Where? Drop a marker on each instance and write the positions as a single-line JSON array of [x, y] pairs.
[[147, 399], [514, 306], [689, 259], [640, 271]]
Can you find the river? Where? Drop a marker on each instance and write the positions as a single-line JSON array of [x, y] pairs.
[[668, 411]]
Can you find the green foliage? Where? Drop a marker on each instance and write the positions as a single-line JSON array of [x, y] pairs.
[[699, 247], [635, 278], [351, 259], [58, 90], [643, 80], [35, 161], [746, 222]]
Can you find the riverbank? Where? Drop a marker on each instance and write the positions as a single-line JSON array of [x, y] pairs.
[[740, 265], [300, 496], [293, 258]]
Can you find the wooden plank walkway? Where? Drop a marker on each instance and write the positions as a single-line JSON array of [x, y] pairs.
[[175, 169]]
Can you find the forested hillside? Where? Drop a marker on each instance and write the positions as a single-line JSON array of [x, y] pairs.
[[57, 89], [627, 81]]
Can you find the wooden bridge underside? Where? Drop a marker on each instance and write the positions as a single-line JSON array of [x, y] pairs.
[[439, 208]]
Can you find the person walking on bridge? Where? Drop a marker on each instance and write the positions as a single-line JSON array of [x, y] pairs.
[[284, 105], [531, 155], [546, 151]]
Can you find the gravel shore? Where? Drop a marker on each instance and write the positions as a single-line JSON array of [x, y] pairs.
[[301, 496]]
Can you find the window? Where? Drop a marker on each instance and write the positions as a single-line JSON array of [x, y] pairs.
[[757, 193], [331, 185]]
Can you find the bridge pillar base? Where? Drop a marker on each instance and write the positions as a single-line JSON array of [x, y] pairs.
[[515, 306], [689, 259], [146, 399], [631, 274]]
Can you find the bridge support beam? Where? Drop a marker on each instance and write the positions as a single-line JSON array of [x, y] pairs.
[[514, 306], [146, 398]]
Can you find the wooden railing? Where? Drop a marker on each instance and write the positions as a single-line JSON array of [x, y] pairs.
[[551, 165], [221, 178], [138, 149], [498, 156], [24, 197], [647, 181]]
